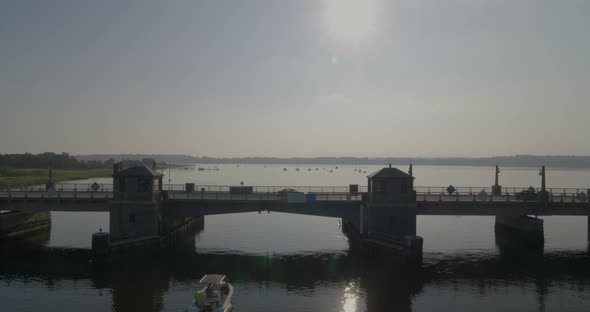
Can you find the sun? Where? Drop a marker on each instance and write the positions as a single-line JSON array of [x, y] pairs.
[[351, 21]]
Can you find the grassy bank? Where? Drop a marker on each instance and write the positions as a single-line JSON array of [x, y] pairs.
[[39, 176]]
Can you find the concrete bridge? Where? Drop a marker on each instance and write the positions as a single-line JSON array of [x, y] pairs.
[[190, 203], [381, 215]]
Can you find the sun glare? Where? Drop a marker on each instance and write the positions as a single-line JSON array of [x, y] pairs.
[[349, 303], [351, 21]]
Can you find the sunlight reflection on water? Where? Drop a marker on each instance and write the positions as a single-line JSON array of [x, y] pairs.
[[350, 302]]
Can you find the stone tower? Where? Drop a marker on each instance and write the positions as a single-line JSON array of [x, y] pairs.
[[392, 214], [135, 206]]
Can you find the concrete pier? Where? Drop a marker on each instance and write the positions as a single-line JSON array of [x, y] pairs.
[[182, 233], [398, 249], [130, 220], [405, 250], [353, 233], [517, 231], [392, 217], [140, 221], [17, 224], [106, 250], [19, 243]]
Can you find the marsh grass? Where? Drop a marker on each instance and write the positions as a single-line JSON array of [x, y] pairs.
[[39, 176]]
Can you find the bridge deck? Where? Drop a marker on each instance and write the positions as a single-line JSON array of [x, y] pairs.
[[427, 204]]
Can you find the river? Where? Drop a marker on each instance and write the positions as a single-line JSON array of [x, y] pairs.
[[282, 262]]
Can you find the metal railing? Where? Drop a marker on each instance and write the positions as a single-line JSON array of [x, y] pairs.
[[265, 188], [53, 195], [107, 187], [551, 198], [102, 187], [474, 190], [258, 196], [178, 191]]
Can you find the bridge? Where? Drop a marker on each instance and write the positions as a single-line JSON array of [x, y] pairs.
[[431, 200], [383, 213]]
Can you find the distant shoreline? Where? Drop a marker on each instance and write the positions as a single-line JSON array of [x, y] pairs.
[[566, 162]]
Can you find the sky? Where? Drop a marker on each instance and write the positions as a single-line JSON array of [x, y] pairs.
[[283, 78]]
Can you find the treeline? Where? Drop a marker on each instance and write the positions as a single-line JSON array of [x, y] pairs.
[[43, 160], [63, 161], [161, 158], [505, 161]]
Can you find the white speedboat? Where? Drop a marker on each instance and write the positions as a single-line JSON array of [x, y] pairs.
[[213, 295]]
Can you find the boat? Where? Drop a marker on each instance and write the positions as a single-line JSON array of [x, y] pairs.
[[213, 295], [208, 168]]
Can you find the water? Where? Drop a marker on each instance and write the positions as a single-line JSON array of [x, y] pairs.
[[303, 263]]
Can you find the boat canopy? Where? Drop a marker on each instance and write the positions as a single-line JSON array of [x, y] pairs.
[[212, 279]]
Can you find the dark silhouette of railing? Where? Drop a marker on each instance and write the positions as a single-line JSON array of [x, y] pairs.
[[81, 191]]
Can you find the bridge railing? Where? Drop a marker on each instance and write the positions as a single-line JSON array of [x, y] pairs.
[[222, 196], [462, 190], [457, 197], [102, 187], [423, 193], [474, 190], [27, 194], [258, 196], [265, 188], [83, 187]]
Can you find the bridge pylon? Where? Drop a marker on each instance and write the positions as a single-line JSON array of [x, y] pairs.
[[392, 215], [136, 203], [140, 220]]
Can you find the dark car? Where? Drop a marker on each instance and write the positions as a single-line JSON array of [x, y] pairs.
[[284, 192], [528, 194]]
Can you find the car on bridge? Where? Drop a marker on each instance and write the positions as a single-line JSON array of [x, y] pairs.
[[286, 191], [528, 194]]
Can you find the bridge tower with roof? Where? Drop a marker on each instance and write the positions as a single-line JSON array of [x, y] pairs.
[[392, 213], [140, 216], [135, 209]]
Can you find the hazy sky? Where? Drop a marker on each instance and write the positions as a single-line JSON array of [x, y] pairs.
[[296, 78]]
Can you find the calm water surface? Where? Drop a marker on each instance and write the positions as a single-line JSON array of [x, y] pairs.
[[282, 262]]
